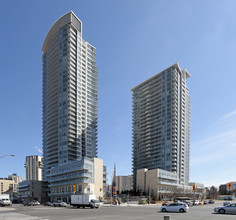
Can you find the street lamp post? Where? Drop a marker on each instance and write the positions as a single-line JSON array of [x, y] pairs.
[[11, 155]]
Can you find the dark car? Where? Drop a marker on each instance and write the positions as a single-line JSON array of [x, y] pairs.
[[48, 204], [28, 203], [166, 203], [24, 202], [211, 201]]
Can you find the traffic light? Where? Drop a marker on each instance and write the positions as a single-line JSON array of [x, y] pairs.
[[229, 185], [100, 189], [194, 187], [74, 188]]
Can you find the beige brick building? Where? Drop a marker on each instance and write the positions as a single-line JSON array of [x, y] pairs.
[[157, 182], [124, 183], [9, 184]]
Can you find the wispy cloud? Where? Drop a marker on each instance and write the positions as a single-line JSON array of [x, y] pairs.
[[229, 116], [217, 154], [212, 156], [38, 149], [226, 122], [216, 141]]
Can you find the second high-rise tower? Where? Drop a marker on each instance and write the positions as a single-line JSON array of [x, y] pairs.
[[161, 123]]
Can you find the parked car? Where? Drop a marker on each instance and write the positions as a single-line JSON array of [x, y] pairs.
[[188, 202], [175, 207], [24, 202], [36, 202], [28, 203], [229, 198], [59, 204], [166, 203], [205, 202], [48, 204], [211, 201], [227, 203], [231, 208], [201, 203], [195, 202]]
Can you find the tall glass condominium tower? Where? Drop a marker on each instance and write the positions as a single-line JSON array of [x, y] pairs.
[[161, 123], [69, 95]]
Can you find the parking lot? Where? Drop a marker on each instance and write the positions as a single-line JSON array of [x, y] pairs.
[[20, 212]]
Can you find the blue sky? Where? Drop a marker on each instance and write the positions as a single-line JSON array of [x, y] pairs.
[[135, 39]]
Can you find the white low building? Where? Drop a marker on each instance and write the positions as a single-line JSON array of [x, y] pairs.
[[159, 183], [83, 176]]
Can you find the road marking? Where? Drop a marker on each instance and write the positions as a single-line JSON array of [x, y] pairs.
[[14, 216]]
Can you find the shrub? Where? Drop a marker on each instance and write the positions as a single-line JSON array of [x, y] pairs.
[[142, 201]]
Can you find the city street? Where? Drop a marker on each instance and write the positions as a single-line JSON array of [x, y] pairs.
[[150, 212]]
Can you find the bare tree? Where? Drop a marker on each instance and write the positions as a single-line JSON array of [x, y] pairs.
[[212, 193]]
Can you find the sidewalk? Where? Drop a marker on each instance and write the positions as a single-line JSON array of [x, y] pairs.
[[131, 204]]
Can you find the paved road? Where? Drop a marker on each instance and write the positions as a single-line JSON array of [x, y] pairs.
[[19, 212]]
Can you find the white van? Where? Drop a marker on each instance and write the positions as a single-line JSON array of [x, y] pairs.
[[5, 200]]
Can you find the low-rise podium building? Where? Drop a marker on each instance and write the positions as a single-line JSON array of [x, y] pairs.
[[85, 174], [30, 190], [163, 184], [156, 182]]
